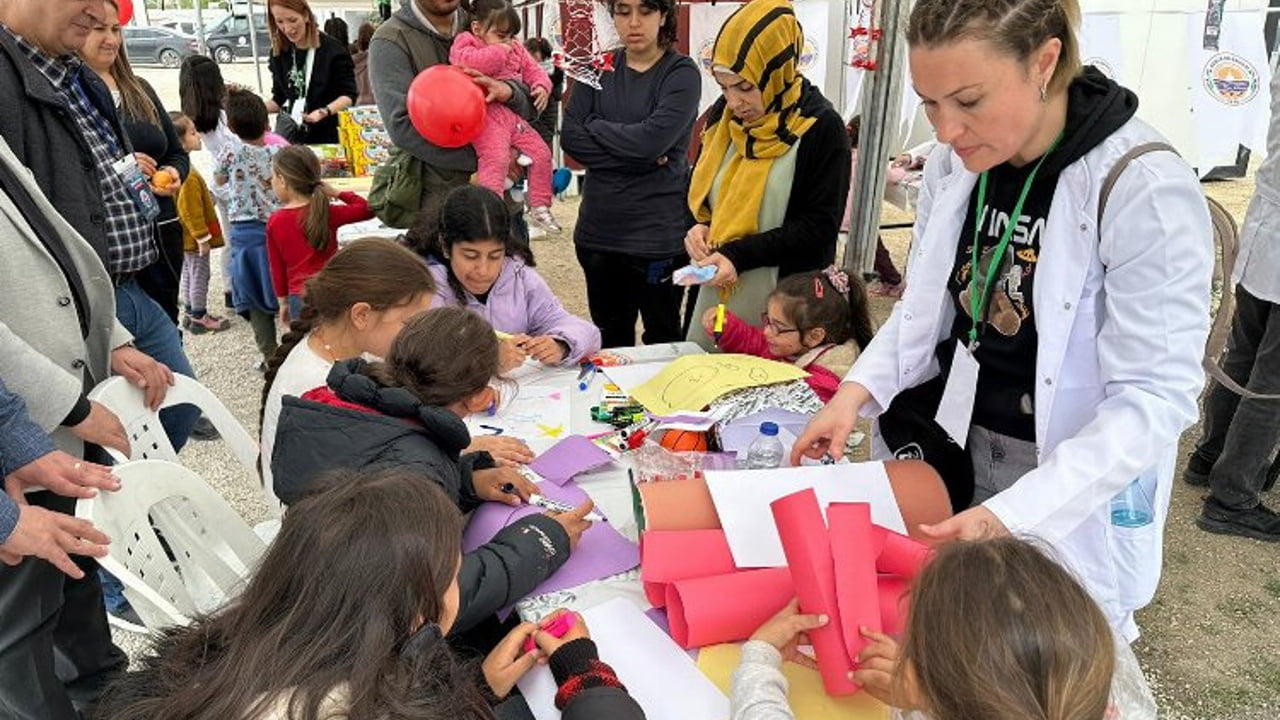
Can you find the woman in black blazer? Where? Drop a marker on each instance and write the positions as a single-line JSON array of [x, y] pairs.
[[329, 87]]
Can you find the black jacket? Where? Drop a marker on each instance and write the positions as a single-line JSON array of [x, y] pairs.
[[43, 134], [806, 240], [393, 428], [333, 76]]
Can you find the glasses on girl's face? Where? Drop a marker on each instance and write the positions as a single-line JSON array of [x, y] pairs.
[[768, 323]]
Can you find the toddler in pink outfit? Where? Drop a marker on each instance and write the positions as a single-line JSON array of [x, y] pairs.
[[491, 48]]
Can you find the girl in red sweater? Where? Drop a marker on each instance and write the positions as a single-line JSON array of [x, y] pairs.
[[302, 234], [817, 321]]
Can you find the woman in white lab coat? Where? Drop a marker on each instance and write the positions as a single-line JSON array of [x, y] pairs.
[[1087, 352]]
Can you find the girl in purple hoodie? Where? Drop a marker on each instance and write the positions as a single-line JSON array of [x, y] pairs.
[[478, 265]]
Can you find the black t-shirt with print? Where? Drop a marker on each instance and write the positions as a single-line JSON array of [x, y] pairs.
[[1007, 341]]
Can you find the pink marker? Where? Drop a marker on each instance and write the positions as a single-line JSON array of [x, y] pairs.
[[557, 628]]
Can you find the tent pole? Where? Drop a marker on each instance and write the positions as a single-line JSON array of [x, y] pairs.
[[880, 109], [253, 46]]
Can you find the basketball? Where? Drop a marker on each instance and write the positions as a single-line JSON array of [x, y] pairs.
[[684, 441]]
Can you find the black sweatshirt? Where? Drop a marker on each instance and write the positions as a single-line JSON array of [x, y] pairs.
[[333, 76], [1006, 353], [631, 203], [806, 240]]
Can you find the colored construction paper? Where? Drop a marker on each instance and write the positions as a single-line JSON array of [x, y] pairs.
[[805, 695], [601, 552], [658, 674], [691, 382], [569, 457], [742, 500], [678, 505], [922, 496], [900, 555], [670, 555], [895, 602], [738, 434], [808, 552], [853, 553], [692, 421], [726, 608]]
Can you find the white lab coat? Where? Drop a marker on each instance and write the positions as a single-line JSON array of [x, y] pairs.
[[1121, 322], [1258, 264]]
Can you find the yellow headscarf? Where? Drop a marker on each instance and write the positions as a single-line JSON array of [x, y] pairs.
[[762, 42]]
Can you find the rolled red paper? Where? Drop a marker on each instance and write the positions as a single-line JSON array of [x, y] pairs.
[[902, 556], [895, 603], [805, 542], [726, 608], [853, 552], [670, 555]]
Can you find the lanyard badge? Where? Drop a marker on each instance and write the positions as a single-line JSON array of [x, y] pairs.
[[979, 297]]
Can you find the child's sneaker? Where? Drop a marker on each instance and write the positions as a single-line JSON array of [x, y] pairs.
[[208, 323], [524, 160], [544, 219]]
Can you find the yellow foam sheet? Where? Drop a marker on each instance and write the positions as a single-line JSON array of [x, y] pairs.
[[804, 688], [691, 382]]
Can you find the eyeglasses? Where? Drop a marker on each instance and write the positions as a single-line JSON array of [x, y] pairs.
[[767, 323]]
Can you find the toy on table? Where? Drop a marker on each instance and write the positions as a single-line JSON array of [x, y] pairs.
[[694, 275], [558, 627], [684, 441]]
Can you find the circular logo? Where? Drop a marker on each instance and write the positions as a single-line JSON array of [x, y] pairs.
[[1230, 79], [706, 53], [808, 56], [1103, 66]]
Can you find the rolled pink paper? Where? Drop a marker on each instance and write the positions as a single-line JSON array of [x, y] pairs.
[[726, 608], [853, 553], [670, 555], [808, 549], [895, 603], [902, 556]]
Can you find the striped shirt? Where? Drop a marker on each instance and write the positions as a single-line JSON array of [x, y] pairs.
[[130, 240]]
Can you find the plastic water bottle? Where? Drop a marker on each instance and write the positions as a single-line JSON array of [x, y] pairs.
[[765, 452], [1131, 508]]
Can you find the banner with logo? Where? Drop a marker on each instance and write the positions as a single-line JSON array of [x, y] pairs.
[[706, 19], [1230, 95], [1100, 46]]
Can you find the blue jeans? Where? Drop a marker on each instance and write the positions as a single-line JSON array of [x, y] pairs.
[[295, 306], [157, 337]]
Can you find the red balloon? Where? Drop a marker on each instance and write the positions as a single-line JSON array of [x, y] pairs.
[[446, 106], [126, 10]]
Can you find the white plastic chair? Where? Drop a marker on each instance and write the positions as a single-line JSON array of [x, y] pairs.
[[211, 550], [147, 439]]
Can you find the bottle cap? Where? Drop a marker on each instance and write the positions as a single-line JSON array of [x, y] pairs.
[[769, 429]]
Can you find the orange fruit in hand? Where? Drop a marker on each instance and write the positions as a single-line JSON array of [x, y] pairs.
[[161, 180]]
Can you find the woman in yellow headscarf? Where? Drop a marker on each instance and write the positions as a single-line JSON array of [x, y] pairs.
[[769, 187]]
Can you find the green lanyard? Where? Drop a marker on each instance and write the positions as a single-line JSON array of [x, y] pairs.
[[978, 300]]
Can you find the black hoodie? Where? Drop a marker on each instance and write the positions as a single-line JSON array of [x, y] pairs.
[[357, 424], [1006, 354]]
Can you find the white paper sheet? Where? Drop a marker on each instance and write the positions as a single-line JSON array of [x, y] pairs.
[[538, 414], [630, 377], [742, 500], [657, 673]]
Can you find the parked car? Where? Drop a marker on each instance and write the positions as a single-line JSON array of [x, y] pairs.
[[228, 39], [158, 45]]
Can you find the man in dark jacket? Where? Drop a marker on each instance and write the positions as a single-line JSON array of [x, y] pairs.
[[60, 121], [417, 37], [355, 423]]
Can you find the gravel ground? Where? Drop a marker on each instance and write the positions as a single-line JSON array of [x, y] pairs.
[[1211, 637]]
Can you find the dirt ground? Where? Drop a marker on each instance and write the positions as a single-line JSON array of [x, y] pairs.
[[1211, 637]]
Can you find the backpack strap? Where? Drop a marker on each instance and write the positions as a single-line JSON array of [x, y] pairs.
[[1226, 239]]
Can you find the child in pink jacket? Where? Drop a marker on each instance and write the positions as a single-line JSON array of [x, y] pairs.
[[817, 321], [491, 48]]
